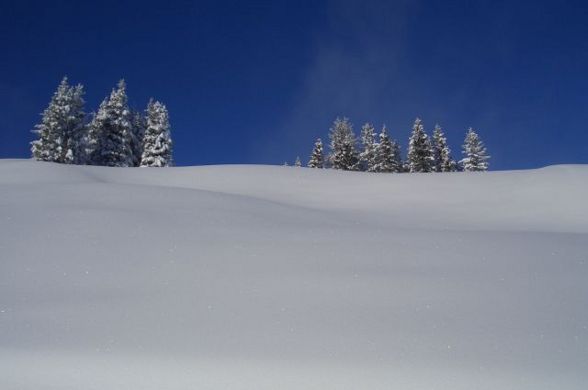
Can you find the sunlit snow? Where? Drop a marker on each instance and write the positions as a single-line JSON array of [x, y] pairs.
[[260, 277]]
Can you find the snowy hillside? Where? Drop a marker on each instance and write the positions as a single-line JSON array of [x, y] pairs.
[[258, 277]]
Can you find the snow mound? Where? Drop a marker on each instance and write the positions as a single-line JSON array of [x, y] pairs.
[[259, 277]]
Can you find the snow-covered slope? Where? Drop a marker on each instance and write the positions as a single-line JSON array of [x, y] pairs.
[[257, 277]]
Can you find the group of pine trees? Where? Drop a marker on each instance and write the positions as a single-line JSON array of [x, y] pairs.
[[114, 136], [117, 136], [380, 153]]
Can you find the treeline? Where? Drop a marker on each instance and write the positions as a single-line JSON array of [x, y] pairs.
[[380, 153], [114, 136]]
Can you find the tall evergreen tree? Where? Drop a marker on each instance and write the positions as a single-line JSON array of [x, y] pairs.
[[367, 157], [157, 142], [94, 133], [442, 160], [419, 149], [397, 157], [77, 135], [317, 158], [61, 130], [476, 157], [137, 136], [110, 132], [343, 152]]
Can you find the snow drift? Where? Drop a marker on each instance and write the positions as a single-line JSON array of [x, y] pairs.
[[258, 277]]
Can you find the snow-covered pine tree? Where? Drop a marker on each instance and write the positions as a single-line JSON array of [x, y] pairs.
[[94, 133], [137, 137], [442, 160], [157, 142], [343, 153], [61, 130], [367, 157], [297, 162], [75, 133], [397, 157], [476, 157], [110, 131], [388, 157], [383, 159], [317, 158], [419, 149]]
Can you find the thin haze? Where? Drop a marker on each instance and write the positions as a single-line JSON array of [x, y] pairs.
[[459, 66], [354, 65]]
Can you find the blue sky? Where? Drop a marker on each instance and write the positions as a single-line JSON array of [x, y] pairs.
[[258, 81]]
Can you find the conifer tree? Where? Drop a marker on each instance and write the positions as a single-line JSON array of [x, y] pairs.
[[94, 133], [110, 132], [297, 162], [317, 158], [442, 160], [388, 157], [157, 142], [384, 159], [137, 136], [476, 157], [419, 149], [343, 153], [397, 157], [367, 157], [61, 130], [76, 137]]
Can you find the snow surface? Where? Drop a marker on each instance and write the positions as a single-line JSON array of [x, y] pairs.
[[259, 277]]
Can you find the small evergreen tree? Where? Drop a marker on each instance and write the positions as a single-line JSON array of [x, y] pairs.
[[297, 162], [476, 158], [157, 144], [386, 159], [419, 149], [367, 157], [61, 131], [343, 153], [317, 158], [110, 132], [442, 160]]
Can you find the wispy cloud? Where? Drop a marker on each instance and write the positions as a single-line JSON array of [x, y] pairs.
[[357, 61]]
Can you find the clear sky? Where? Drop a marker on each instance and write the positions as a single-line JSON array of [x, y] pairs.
[[258, 81]]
